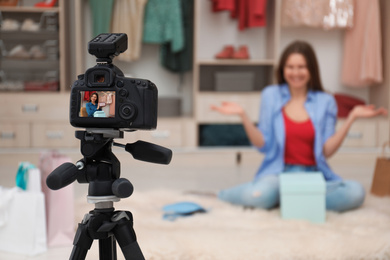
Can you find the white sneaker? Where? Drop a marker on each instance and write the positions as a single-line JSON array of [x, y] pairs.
[[30, 25], [10, 25], [19, 52], [36, 52]]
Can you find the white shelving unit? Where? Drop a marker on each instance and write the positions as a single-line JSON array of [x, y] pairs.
[[212, 32], [37, 119]]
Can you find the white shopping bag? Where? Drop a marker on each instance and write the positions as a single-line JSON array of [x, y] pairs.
[[34, 180], [22, 221]]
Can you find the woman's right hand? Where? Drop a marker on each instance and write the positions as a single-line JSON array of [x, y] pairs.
[[229, 108]]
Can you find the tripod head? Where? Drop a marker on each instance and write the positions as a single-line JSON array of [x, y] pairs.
[[100, 167]]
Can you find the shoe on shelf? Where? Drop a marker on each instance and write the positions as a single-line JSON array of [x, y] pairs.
[[226, 53], [30, 26], [241, 53], [36, 52], [19, 52], [46, 3], [10, 25]]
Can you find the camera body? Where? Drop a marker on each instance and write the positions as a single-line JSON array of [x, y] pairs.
[[122, 103]]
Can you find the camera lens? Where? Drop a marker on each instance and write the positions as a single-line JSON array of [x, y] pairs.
[[127, 111]]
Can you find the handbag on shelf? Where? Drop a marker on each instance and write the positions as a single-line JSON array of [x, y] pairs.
[[381, 180]]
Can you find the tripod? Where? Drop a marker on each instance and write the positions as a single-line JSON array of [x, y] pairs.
[[101, 169]]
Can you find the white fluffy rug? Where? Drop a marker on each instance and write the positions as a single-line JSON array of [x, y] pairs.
[[230, 232]]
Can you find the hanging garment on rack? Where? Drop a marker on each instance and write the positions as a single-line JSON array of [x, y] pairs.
[[112, 108], [326, 14], [87, 95], [109, 98], [128, 16], [102, 97], [223, 5], [362, 61], [163, 23], [181, 61], [101, 15], [250, 13]]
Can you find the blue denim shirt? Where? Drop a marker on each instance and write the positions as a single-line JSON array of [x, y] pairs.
[[322, 110], [91, 108]]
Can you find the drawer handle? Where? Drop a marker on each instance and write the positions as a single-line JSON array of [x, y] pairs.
[[161, 134], [355, 135], [54, 134], [30, 108], [8, 135]]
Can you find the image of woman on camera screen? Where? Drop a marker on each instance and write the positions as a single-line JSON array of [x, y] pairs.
[[93, 105]]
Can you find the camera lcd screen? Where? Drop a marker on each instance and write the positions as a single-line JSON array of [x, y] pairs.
[[98, 104]]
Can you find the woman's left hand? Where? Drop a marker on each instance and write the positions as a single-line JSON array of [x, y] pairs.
[[366, 111]]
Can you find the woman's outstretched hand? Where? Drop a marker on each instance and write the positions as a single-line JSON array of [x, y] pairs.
[[228, 108], [366, 111]]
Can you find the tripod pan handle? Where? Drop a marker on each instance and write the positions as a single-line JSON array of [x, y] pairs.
[[62, 176]]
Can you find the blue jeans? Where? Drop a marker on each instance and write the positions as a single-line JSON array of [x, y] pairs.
[[264, 192]]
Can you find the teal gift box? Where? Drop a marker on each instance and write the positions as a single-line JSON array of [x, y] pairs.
[[302, 196]]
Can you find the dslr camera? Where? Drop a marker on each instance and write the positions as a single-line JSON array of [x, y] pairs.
[[103, 97]]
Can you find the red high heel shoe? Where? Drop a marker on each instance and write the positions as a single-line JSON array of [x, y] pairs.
[[226, 53], [47, 3], [241, 53]]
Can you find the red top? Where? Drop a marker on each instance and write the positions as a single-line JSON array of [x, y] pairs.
[[299, 142]]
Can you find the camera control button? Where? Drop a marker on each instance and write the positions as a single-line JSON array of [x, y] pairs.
[[119, 84], [76, 83], [123, 93], [81, 83], [138, 82], [127, 111]]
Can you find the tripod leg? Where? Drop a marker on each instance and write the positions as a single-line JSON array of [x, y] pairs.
[[81, 243], [125, 235], [107, 248]]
